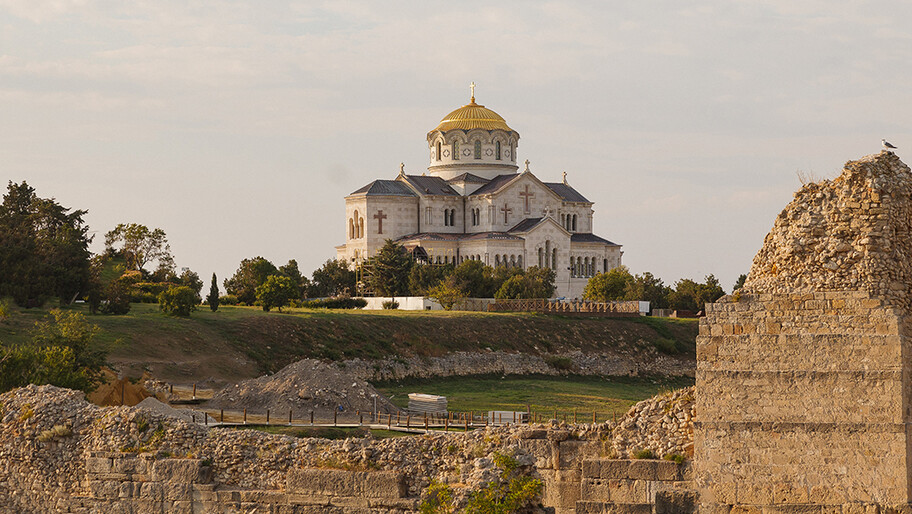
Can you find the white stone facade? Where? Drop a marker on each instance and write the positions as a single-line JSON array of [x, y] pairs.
[[480, 207]]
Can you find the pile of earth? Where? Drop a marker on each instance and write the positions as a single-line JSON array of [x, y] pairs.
[[303, 386], [118, 391]]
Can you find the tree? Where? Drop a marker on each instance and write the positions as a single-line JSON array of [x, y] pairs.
[[192, 280], [475, 279], [534, 283], [276, 291], [693, 296], [213, 298], [334, 278], [647, 287], [610, 286], [389, 270], [742, 278], [446, 293], [178, 301], [425, 277], [44, 248], [291, 271], [249, 275], [141, 246]]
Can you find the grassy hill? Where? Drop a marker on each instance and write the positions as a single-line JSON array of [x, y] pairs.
[[242, 342]]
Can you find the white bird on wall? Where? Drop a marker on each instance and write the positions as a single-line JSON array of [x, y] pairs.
[[887, 145]]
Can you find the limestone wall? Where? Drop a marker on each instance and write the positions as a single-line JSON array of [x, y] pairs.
[[802, 400]]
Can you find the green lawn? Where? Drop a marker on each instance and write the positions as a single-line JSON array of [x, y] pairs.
[[544, 394]]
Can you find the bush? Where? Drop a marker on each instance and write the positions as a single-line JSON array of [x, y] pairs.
[[276, 291], [390, 304], [178, 301], [645, 453], [228, 299], [677, 458], [559, 363], [335, 303], [6, 308]]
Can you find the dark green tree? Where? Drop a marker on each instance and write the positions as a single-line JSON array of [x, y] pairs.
[[610, 286], [291, 271], [249, 275], [424, 277], [389, 270], [276, 292], [334, 278], [693, 296], [649, 288], [475, 279], [190, 279], [213, 298], [742, 278], [535, 282], [43, 248]]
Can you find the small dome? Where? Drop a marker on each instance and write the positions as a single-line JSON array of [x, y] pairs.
[[472, 116]]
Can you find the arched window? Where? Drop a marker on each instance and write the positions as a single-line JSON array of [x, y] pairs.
[[564, 220], [512, 261], [541, 258], [452, 217], [512, 152], [456, 150], [519, 261], [547, 254], [477, 149], [351, 228], [438, 150], [574, 223], [496, 260], [360, 227], [605, 266], [497, 150], [554, 259]]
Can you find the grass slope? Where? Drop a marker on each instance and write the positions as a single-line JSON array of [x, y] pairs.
[[605, 396], [242, 342]]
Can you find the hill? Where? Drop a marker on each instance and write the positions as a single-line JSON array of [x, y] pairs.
[[243, 342]]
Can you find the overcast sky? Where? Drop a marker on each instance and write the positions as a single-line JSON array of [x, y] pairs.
[[239, 126]]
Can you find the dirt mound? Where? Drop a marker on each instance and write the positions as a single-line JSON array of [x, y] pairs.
[[307, 385], [118, 391]]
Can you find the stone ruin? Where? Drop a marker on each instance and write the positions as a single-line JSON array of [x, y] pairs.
[[803, 404], [804, 375]]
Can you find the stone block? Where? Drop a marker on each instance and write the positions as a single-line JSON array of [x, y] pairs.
[[177, 491], [99, 464], [588, 507], [181, 507], [668, 471], [643, 469], [334, 482], [104, 489], [682, 501], [128, 465], [614, 468], [186, 471], [151, 491], [349, 502], [570, 452], [594, 489]]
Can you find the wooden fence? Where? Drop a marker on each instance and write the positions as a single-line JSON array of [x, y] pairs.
[[631, 308]]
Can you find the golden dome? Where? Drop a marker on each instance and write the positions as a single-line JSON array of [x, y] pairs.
[[472, 116]]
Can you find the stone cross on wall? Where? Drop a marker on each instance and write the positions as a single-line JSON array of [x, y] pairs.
[[546, 212], [526, 195], [506, 210], [380, 217], [527, 165]]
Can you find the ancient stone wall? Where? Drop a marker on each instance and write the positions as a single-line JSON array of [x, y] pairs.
[[803, 401]]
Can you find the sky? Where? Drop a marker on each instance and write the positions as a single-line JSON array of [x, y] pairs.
[[238, 126]]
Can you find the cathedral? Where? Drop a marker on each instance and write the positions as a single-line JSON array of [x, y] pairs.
[[473, 203]]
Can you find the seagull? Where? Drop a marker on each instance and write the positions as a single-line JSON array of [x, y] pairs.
[[887, 145]]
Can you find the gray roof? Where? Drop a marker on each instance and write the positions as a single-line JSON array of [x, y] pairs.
[[385, 188], [469, 178], [567, 193], [590, 238], [525, 225], [443, 236], [496, 183], [431, 185]]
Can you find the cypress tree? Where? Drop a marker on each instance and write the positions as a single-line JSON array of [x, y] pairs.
[[213, 298]]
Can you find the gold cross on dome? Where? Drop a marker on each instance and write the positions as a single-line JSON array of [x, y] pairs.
[[472, 86]]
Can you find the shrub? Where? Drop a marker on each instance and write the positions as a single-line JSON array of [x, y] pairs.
[[390, 304], [6, 308], [438, 499], [178, 301], [509, 494], [335, 303], [276, 291], [559, 363], [645, 453], [228, 299], [677, 458]]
